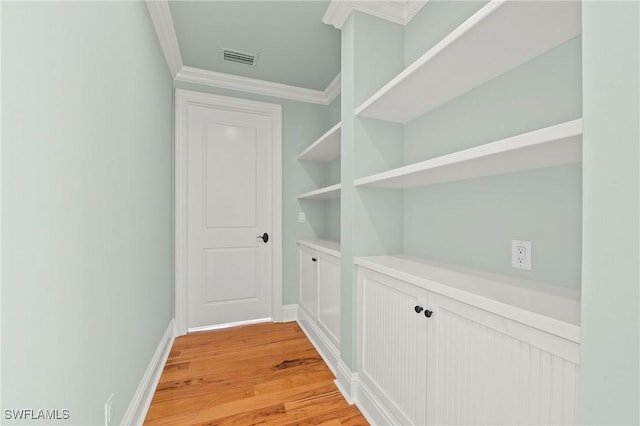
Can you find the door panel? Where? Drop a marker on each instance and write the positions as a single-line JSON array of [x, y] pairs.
[[238, 266], [231, 170], [393, 344], [492, 370], [309, 281], [329, 296], [229, 205]]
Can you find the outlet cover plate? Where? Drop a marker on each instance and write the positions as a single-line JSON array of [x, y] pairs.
[[301, 217], [521, 254]]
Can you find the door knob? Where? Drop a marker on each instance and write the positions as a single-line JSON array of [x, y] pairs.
[[265, 237]]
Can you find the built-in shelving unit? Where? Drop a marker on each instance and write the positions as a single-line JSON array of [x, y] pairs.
[[550, 146], [325, 193], [498, 38], [325, 148]]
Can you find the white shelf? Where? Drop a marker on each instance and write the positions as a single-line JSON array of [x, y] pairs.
[[550, 308], [551, 146], [325, 148], [498, 38], [325, 193], [330, 247]]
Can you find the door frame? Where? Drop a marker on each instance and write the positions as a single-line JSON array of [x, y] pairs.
[[183, 100]]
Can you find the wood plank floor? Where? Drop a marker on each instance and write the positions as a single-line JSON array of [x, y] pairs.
[[267, 374]]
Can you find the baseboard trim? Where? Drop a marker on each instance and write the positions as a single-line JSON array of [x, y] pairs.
[[227, 325], [327, 350], [372, 408], [139, 405], [347, 382], [289, 313]]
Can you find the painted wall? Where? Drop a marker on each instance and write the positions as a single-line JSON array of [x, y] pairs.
[[610, 353], [473, 222], [370, 219], [302, 124], [86, 197]]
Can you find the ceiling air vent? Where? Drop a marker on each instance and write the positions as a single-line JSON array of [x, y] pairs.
[[238, 57]]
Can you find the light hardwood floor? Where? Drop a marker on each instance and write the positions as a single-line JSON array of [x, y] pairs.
[[267, 374]]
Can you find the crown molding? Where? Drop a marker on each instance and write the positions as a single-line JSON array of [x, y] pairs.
[[398, 11], [259, 87], [163, 23], [165, 30]]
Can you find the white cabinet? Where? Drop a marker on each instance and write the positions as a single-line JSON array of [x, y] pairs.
[[393, 345], [329, 295], [490, 352], [309, 280], [319, 307]]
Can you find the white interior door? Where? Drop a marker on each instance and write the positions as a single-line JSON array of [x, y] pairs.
[[229, 205]]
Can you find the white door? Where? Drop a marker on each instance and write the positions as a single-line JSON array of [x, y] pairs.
[[229, 207]]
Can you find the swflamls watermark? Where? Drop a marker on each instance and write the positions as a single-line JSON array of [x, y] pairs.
[[37, 414]]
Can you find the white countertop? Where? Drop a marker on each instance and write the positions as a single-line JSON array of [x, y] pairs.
[[546, 307], [330, 247]]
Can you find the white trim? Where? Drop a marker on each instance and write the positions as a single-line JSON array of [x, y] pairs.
[[325, 193], [347, 382], [289, 313], [259, 87], [333, 89], [185, 98], [372, 408], [228, 325], [399, 12], [165, 30], [139, 405], [161, 17], [327, 350]]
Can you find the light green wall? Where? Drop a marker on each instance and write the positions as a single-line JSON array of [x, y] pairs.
[[434, 21], [86, 199], [370, 219], [302, 124], [473, 222], [334, 112], [610, 353]]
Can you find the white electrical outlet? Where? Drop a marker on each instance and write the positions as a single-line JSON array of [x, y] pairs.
[[301, 217], [107, 411], [521, 254]]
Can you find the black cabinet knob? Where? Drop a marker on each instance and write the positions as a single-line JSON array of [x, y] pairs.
[[418, 309], [314, 259], [264, 237], [428, 313]]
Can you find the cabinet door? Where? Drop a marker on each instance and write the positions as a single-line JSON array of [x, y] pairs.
[[309, 281], [491, 370], [329, 296], [393, 342]]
